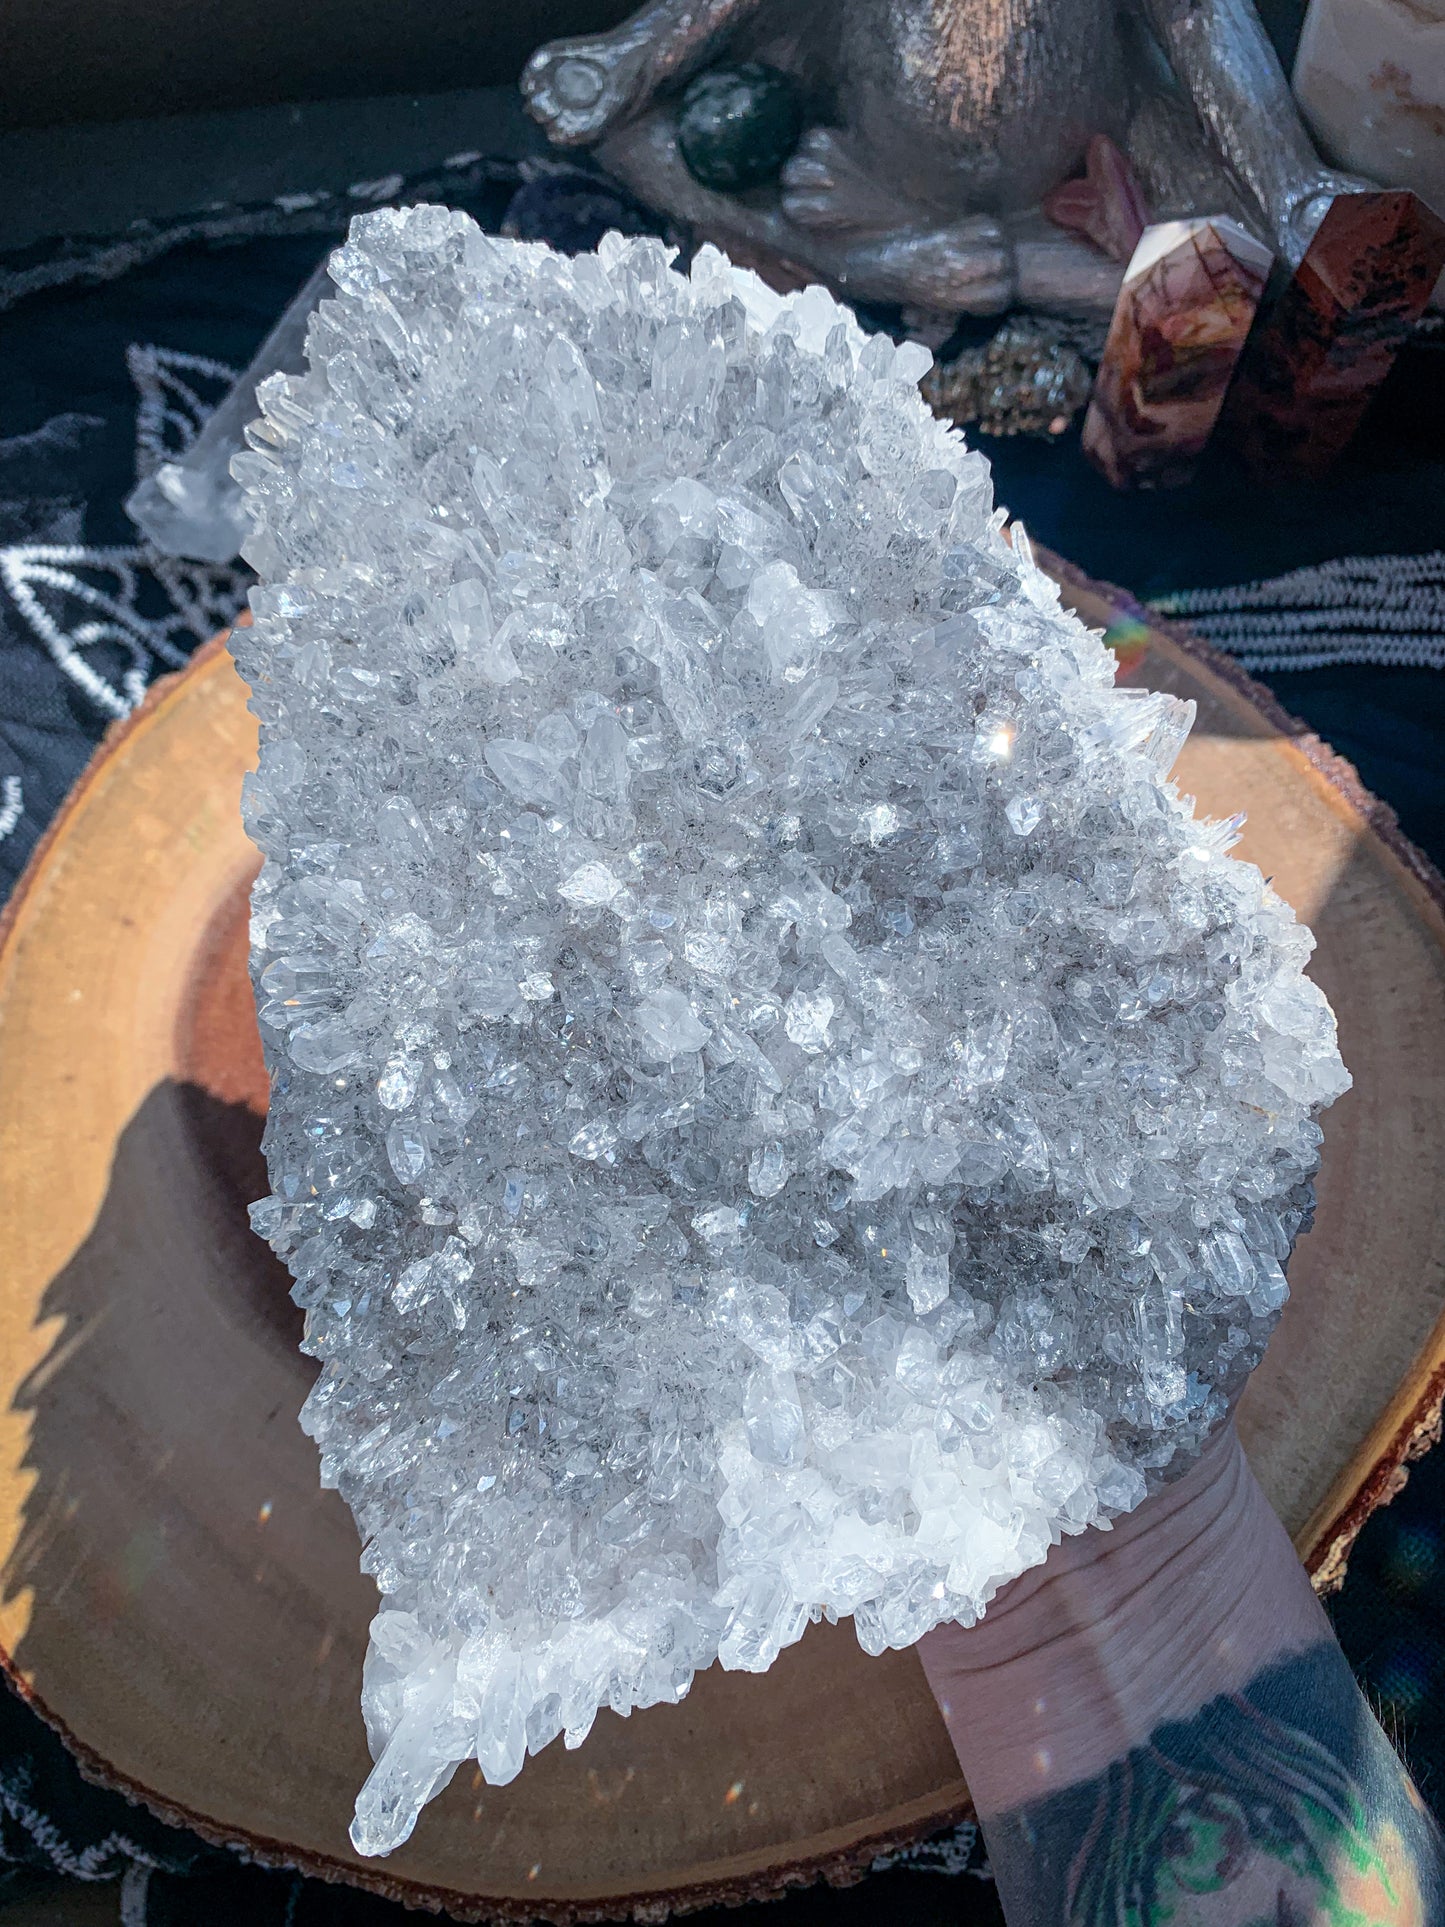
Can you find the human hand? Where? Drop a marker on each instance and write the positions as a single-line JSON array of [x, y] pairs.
[[1156, 1724]]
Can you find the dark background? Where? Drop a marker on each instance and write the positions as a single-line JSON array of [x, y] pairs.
[[63, 61], [77, 60]]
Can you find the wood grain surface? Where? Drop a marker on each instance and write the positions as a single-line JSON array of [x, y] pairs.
[[182, 1600]]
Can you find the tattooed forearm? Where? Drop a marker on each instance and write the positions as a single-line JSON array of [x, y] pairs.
[[1281, 1806]]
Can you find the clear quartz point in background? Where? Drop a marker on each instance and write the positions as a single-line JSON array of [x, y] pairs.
[[192, 506], [779, 1109]]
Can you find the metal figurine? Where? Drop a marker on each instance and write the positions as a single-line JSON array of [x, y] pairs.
[[936, 131]]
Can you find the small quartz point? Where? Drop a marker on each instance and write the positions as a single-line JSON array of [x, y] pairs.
[[191, 506], [778, 1107]]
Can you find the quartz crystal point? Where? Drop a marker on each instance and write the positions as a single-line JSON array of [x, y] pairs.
[[779, 1110]]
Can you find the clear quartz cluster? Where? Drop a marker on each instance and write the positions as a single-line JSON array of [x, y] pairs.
[[779, 1109]]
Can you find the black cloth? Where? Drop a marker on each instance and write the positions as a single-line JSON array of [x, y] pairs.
[[69, 405]]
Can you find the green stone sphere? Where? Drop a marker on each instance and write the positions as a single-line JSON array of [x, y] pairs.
[[737, 125]]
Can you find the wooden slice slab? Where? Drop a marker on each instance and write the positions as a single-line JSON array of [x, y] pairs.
[[184, 1603]]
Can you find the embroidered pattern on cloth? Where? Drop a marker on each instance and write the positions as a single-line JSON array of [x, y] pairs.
[[958, 1852], [1385, 609], [89, 260], [12, 804], [112, 618], [75, 599]]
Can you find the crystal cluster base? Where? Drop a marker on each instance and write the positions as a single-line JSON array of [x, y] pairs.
[[779, 1109]]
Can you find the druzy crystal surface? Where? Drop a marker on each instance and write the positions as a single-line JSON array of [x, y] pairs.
[[779, 1109]]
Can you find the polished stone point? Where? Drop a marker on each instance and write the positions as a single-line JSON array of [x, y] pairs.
[[737, 125], [779, 1109], [1184, 313], [1317, 360]]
